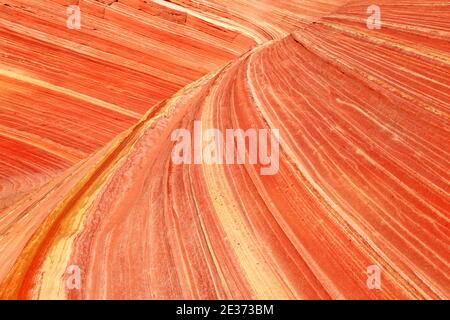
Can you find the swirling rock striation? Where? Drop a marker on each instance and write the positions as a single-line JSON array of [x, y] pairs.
[[66, 93], [362, 180]]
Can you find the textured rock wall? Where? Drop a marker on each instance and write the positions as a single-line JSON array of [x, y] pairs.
[[65, 93], [363, 176]]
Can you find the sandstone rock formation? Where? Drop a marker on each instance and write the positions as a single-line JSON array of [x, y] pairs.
[[88, 85], [86, 123]]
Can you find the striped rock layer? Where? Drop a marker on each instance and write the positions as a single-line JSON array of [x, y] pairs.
[[363, 176], [66, 93]]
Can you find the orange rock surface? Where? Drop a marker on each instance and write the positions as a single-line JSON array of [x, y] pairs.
[[87, 177], [86, 86]]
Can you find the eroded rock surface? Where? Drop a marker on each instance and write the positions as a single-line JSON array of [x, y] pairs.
[[363, 167]]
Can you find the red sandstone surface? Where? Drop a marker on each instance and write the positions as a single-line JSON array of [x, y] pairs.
[[87, 178]]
